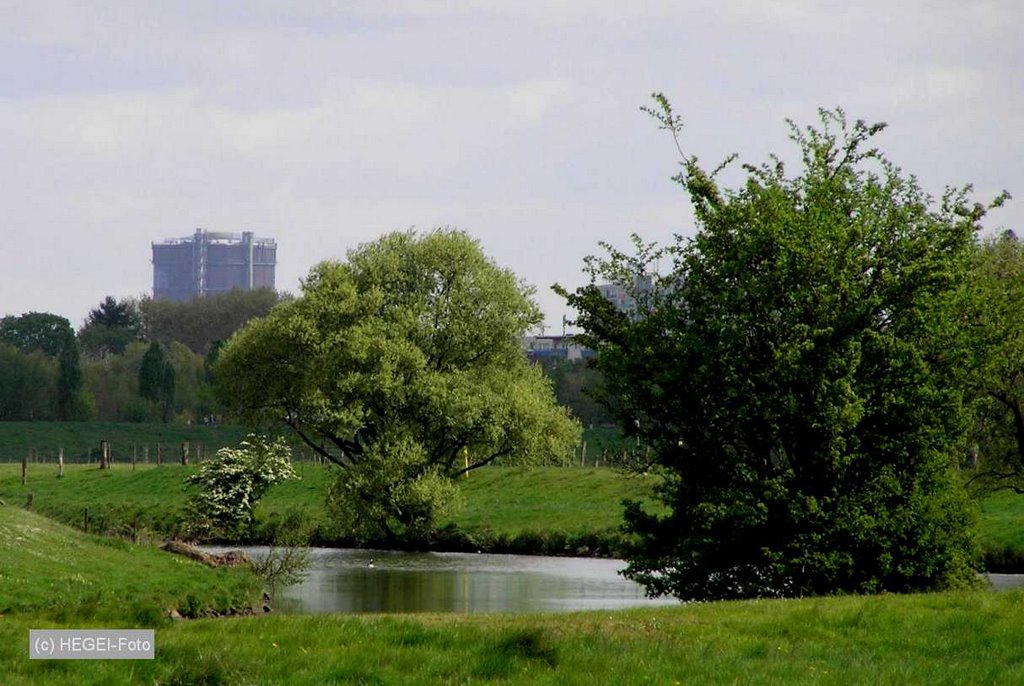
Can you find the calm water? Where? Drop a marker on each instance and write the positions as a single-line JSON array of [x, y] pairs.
[[344, 580]]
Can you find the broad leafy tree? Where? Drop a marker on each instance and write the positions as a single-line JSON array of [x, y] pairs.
[[993, 313], [110, 327], [794, 373], [402, 366], [36, 331]]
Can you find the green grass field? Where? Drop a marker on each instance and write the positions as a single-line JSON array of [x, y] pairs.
[[545, 509], [51, 571], [950, 638], [527, 510], [81, 440], [55, 577]]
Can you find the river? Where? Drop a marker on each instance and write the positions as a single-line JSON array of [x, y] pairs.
[[349, 580]]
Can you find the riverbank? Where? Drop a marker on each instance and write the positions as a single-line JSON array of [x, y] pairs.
[[54, 577], [545, 510], [55, 573]]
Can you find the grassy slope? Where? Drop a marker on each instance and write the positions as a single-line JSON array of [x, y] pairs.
[[47, 569], [506, 501], [81, 439], [503, 501]]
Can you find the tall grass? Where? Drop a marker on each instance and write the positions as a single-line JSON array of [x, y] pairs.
[[950, 638]]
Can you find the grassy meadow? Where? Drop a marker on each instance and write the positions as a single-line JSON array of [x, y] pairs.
[[53, 576], [544, 509]]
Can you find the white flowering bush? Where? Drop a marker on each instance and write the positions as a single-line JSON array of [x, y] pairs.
[[232, 483]]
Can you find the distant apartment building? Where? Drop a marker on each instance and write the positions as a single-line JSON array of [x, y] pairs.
[[622, 298], [562, 347], [209, 263]]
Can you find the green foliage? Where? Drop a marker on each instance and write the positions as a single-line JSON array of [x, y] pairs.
[[393, 489], [993, 312], [576, 384], [199, 322], [36, 331], [410, 346], [156, 379], [73, 403], [232, 483], [28, 382], [795, 374], [110, 327]]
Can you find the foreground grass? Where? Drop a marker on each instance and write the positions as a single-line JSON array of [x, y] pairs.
[[51, 571], [952, 638]]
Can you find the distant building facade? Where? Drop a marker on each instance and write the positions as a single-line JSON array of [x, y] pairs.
[[623, 298], [561, 347], [210, 263]]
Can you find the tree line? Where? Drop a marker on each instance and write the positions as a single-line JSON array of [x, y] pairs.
[[133, 359]]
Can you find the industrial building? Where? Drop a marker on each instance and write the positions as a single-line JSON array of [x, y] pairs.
[[209, 263]]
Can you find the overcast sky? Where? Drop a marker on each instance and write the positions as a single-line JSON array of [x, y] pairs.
[[325, 124]]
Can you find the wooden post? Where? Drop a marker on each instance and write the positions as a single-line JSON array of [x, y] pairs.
[[159, 454], [24, 470], [583, 455], [145, 454], [60, 464], [104, 455], [35, 455], [184, 453], [133, 460]]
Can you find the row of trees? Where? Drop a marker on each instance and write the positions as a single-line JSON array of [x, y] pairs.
[[132, 359]]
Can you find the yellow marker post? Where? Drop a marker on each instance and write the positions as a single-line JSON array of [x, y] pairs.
[[465, 461]]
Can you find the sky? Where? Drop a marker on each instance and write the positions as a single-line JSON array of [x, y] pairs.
[[326, 124]]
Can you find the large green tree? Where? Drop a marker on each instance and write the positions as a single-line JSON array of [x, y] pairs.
[[993, 313], [110, 327], [403, 366], [794, 374], [36, 331]]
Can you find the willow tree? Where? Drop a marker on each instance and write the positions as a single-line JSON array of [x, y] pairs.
[[794, 372], [403, 366]]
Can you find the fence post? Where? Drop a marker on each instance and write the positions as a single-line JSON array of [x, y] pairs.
[[184, 453], [145, 453], [159, 454], [60, 464], [104, 455], [24, 470], [583, 455]]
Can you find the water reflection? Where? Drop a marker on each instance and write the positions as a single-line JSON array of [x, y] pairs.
[[346, 581]]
